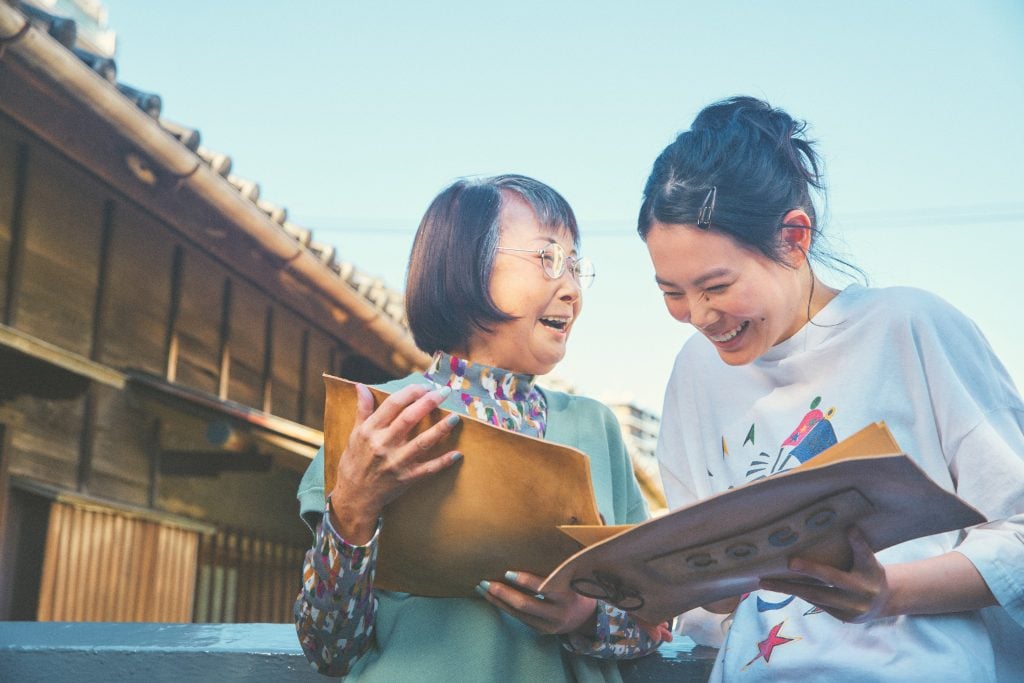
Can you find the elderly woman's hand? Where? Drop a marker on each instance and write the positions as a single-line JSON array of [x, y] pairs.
[[553, 612], [381, 459]]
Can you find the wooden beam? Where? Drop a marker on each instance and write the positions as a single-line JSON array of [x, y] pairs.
[[50, 353]]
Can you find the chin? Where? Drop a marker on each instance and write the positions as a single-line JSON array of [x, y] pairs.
[[736, 359], [545, 365]]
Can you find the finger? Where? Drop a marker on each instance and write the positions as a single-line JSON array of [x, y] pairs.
[[394, 404], [415, 411], [433, 466], [529, 582], [841, 605], [429, 438], [364, 403], [830, 576], [534, 622], [863, 553], [818, 595], [529, 610]]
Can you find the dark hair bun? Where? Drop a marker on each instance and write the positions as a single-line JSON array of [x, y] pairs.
[[756, 157]]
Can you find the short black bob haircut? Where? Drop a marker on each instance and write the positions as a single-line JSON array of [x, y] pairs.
[[448, 282]]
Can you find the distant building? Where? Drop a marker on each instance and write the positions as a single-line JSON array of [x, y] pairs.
[[640, 432]]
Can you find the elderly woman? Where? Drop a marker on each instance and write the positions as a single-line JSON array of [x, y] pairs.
[[494, 288]]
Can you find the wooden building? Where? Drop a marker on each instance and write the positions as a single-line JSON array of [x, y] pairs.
[[162, 337]]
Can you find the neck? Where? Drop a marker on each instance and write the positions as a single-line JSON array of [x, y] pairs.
[[819, 295]]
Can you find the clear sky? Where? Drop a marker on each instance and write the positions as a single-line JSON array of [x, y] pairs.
[[354, 115]]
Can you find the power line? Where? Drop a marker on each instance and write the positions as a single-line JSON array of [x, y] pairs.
[[954, 215]]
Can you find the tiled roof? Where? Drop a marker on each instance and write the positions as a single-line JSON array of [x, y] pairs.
[[88, 46]]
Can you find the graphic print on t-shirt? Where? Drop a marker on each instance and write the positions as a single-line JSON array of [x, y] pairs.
[[812, 436]]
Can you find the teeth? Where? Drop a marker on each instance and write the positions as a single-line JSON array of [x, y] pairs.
[[728, 335], [557, 323]]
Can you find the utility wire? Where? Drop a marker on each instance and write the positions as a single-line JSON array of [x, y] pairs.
[[954, 215]]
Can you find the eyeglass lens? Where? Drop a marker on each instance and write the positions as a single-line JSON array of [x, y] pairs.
[[553, 257], [554, 260]]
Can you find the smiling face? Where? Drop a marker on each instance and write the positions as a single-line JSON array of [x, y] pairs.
[[545, 308], [742, 301]]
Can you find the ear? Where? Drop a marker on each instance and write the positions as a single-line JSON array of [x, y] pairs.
[[795, 234]]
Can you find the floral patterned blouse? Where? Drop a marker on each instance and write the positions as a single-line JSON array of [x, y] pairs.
[[335, 611]]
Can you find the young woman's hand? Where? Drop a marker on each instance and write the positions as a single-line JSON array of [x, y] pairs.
[[855, 596], [553, 612], [381, 460]]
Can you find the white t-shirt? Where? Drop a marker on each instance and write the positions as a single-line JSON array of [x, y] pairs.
[[903, 356]]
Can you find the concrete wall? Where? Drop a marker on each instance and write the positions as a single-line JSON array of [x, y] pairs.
[[35, 651]]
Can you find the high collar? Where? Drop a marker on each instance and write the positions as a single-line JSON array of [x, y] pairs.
[[479, 379]]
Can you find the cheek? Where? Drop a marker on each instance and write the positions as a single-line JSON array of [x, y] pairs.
[[678, 309]]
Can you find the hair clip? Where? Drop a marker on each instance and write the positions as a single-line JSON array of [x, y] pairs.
[[707, 208]]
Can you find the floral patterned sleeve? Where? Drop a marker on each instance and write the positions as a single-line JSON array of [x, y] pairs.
[[336, 609], [619, 636]]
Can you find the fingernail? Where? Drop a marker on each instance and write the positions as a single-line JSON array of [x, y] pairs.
[[456, 457], [511, 576], [444, 391], [453, 420], [482, 588]]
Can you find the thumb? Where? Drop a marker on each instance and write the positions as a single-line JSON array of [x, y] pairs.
[[863, 553]]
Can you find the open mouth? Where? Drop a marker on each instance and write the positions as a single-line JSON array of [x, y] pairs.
[[730, 335], [559, 324]]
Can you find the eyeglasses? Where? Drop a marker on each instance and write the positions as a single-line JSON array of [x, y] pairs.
[[554, 259]]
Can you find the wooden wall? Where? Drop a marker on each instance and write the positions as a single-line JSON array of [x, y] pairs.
[[246, 579], [95, 274], [103, 565]]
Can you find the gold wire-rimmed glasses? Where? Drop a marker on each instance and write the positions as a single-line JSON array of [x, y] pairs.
[[554, 260]]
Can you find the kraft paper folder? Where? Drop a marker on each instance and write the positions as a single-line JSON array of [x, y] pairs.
[[498, 509], [515, 501]]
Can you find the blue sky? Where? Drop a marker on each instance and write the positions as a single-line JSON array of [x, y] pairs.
[[354, 115]]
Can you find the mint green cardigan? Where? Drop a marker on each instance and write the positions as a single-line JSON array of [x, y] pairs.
[[429, 639]]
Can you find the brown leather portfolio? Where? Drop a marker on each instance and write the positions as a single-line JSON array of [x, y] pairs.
[[721, 546], [499, 509]]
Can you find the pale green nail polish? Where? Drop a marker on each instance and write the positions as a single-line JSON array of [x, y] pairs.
[[457, 457], [482, 587], [453, 420], [511, 576], [443, 392]]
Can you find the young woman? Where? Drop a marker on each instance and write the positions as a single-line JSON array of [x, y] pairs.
[[493, 290], [784, 366]]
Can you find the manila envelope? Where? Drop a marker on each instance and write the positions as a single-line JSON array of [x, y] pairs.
[[498, 509]]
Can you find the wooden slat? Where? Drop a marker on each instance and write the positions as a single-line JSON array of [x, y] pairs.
[[118, 563], [46, 583], [90, 560], [104, 565]]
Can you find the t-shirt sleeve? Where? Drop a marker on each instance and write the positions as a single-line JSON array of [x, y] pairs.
[[989, 470], [980, 421]]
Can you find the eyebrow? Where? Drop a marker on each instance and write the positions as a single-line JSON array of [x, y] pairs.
[[573, 252], [699, 282]]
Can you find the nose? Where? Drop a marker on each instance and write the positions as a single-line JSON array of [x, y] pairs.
[[702, 313], [568, 288]]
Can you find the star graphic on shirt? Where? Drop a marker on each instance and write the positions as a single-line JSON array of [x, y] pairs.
[[768, 645]]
